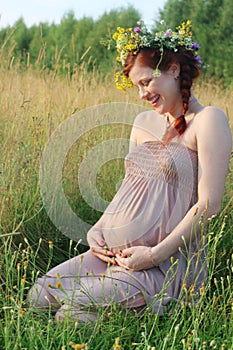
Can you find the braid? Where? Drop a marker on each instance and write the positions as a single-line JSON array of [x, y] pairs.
[[185, 85], [185, 88]]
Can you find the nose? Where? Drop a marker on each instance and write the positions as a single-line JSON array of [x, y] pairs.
[[143, 93]]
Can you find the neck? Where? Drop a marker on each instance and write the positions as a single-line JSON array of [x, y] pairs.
[[171, 117]]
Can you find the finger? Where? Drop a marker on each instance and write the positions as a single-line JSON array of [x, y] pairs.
[[123, 263], [102, 251], [105, 258]]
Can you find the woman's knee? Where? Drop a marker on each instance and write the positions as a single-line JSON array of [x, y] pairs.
[[39, 297]]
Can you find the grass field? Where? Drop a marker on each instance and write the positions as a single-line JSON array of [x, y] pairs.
[[32, 106]]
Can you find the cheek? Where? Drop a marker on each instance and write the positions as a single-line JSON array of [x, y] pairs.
[[172, 88]]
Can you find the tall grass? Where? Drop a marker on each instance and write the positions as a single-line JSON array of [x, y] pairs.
[[32, 106]]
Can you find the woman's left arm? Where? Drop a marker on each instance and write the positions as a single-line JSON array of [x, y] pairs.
[[214, 144]]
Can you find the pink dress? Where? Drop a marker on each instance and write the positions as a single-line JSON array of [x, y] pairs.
[[159, 187]]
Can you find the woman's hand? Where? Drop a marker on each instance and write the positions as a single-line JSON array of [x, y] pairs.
[[98, 246], [135, 258]]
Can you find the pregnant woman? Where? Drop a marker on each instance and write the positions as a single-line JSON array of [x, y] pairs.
[[149, 242]]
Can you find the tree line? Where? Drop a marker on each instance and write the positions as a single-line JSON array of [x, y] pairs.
[[73, 43]]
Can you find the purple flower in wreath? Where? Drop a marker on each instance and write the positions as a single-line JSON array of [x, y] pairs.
[[195, 46], [137, 30], [168, 32], [198, 60]]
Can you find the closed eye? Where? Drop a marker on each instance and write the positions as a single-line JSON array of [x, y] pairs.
[[145, 82]]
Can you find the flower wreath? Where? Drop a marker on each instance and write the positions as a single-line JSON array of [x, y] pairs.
[[133, 39]]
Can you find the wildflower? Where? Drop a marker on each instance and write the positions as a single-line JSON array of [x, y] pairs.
[[202, 289], [50, 244], [22, 313], [168, 32], [195, 46], [23, 280], [191, 291], [18, 266], [26, 241], [116, 345], [133, 39], [198, 60], [103, 275], [58, 284], [79, 346], [212, 343], [136, 29], [183, 342]]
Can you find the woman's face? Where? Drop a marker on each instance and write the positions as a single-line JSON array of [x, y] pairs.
[[161, 92]]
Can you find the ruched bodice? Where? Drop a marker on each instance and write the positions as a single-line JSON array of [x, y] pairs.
[[159, 187], [173, 163]]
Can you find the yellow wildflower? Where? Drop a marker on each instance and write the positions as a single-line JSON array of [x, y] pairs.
[[120, 30], [202, 289], [22, 312], [115, 36], [58, 284], [79, 346], [116, 345], [191, 291]]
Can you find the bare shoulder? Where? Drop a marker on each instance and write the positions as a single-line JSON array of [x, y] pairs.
[[148, 126], [148, 117], [210, 115], [211, 125]]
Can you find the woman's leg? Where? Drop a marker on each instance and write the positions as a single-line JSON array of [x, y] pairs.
[[52, 289], [116, 286]]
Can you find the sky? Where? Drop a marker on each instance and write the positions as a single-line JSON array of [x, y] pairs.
[[36, 11]]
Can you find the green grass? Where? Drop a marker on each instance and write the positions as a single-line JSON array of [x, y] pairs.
[[31, 108], [207, 325]]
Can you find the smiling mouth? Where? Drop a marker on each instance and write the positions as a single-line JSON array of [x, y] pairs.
[[154, 101]]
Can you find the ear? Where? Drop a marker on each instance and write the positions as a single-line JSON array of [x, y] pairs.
[[174, 69]]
